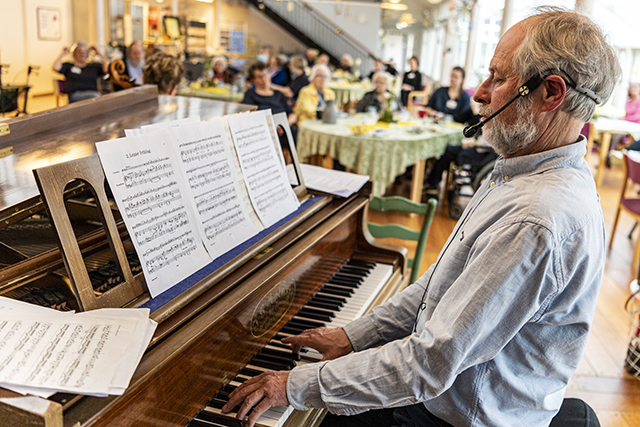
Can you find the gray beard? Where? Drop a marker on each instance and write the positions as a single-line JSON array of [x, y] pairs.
[[509, 138]]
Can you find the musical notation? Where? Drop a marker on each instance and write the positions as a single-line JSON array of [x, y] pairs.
[[272, 197], [250, 137], [144, 202], [203, 149], [148, 172], [231, 218], [215, 199], [169, 251], [206, 175], [261, 156], [153, 229]]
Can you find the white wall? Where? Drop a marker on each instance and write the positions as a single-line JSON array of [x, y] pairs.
[[359, 20], [20, 46]]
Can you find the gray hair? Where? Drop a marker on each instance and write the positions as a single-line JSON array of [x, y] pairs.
[[219, 58], [571, 45], [77, 45], [298, 62], [383, 74], [319, 67]]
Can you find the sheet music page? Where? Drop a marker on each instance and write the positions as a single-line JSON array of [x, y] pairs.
[[207, 165], [62, 352], [161, 125], [330, 181], [268, 186], [144, 175]]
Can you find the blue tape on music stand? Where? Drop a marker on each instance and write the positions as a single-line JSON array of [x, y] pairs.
[[162, 299]]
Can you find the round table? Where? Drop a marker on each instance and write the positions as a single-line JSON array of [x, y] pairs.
[[382, 154], [217, 93], [346, 92]]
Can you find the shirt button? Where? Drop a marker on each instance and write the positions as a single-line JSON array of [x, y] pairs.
[[493, 184], [506, 177], [308, 404]]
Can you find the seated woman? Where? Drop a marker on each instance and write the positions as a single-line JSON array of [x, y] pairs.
[[165, 71], [411, 81], [221, 71], [313, 98], [262, 95], [452, 100], [277, 72], [346, 63], [299, 78], [81, 77], [380, 98]]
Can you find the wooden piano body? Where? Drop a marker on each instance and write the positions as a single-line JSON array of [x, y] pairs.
[[209, 328]]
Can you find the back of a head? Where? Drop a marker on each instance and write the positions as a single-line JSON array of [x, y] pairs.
[[298, 62], [163, 70], [569, 44]]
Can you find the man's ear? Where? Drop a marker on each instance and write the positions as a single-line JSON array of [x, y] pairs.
[[554, 92]]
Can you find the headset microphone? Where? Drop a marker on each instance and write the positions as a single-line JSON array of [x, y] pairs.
[[524, 90]]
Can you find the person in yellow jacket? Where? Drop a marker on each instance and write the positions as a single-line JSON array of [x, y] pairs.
[[314, 97]]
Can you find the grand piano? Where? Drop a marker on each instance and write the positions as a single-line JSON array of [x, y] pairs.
[[318, 266]]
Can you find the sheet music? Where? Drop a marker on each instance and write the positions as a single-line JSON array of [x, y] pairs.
[[269, 189], [330, 181], [206, 156], [144, 175], [62, 352]]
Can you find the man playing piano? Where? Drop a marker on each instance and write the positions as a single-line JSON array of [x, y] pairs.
[[496, 327]]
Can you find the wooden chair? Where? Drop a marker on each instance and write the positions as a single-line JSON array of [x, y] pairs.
[[417, 99], [401, 204], [631, 205], [59, 90]]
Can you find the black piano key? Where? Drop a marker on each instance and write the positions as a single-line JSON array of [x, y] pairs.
[[316, 315], [217, 403], [269, 365], [353, 285], [249, 372], [310, 324], [328, 307], [355, 270], [292, 329], [220, 419], [286, 361], [347, 277], [332, 299], [281, 353], [335, 290], [276, 343]]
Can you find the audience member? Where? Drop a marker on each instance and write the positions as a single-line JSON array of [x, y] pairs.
[[378, 65], [311, 56], [262, 95], [632, 114], [263, 55], [277, 71], [135, 62], [323, 59], [299, 78], [313, 98], [165, 71], [411, 81], [346, 63], [221, 71], [452, 100], [380, 98], [81, 77]]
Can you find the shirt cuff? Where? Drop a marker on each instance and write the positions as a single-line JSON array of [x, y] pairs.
[[303, 390], [362, 333]]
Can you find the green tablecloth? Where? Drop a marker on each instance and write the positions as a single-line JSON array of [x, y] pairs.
[[382, 156], [349, 92]]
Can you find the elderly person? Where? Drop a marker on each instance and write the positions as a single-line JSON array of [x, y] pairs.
[[165, 71], [262, 95], [346, 63], [380, 98], [299, 78], [491, 334], [81, 77], [135, 62], [323, 59], [311, 56], [277, 70], [221, 71], [313, 98]]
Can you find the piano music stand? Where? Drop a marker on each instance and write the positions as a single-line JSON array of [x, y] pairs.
[[52, 181]]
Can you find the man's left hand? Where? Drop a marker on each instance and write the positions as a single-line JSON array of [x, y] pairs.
[[261, 393]]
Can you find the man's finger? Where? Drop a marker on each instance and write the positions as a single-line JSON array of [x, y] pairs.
[[238, 395], [260, 409], [249, 402]]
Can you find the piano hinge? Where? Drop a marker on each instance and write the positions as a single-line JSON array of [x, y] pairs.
[[4, 129], [6, 151], [263, 252]]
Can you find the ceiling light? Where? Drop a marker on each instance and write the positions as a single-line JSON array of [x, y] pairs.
[[434, 1], [394, 1], [206, 1], [392, 6]]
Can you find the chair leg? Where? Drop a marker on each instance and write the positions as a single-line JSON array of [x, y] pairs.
[[615, 225], [636, 253]]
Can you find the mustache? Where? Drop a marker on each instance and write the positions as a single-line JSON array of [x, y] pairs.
[[485, 110]]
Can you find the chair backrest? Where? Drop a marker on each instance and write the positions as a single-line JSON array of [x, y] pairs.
[[59, 86], [632, 163], [401, 204]]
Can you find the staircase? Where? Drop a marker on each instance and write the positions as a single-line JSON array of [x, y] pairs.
[[314, 30]]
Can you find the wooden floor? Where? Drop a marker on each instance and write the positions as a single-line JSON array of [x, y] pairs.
[[600, 379]]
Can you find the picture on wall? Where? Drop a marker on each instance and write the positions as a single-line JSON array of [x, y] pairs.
[[48, 23]]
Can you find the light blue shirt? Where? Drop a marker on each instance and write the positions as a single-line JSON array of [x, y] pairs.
[[135, 71], [507, 311]]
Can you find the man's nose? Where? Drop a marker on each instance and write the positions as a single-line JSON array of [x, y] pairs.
[[482, 94]]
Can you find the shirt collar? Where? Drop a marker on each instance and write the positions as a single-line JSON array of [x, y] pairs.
[[543, 161]]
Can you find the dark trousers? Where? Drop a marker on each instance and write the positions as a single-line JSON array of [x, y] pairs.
[[406, 416], [573, 413], [470, 156]]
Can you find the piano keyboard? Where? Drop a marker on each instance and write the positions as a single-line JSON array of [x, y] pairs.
[[345, 297]]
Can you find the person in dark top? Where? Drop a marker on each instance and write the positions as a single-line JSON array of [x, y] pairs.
[[380, 97], [452, 100], [277, 71], [346, 63], [81, 77], [221, 71], [299, 78], [411, 81], [264, 96]]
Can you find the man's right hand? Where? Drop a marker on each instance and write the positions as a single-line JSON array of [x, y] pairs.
[[330, 342]]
